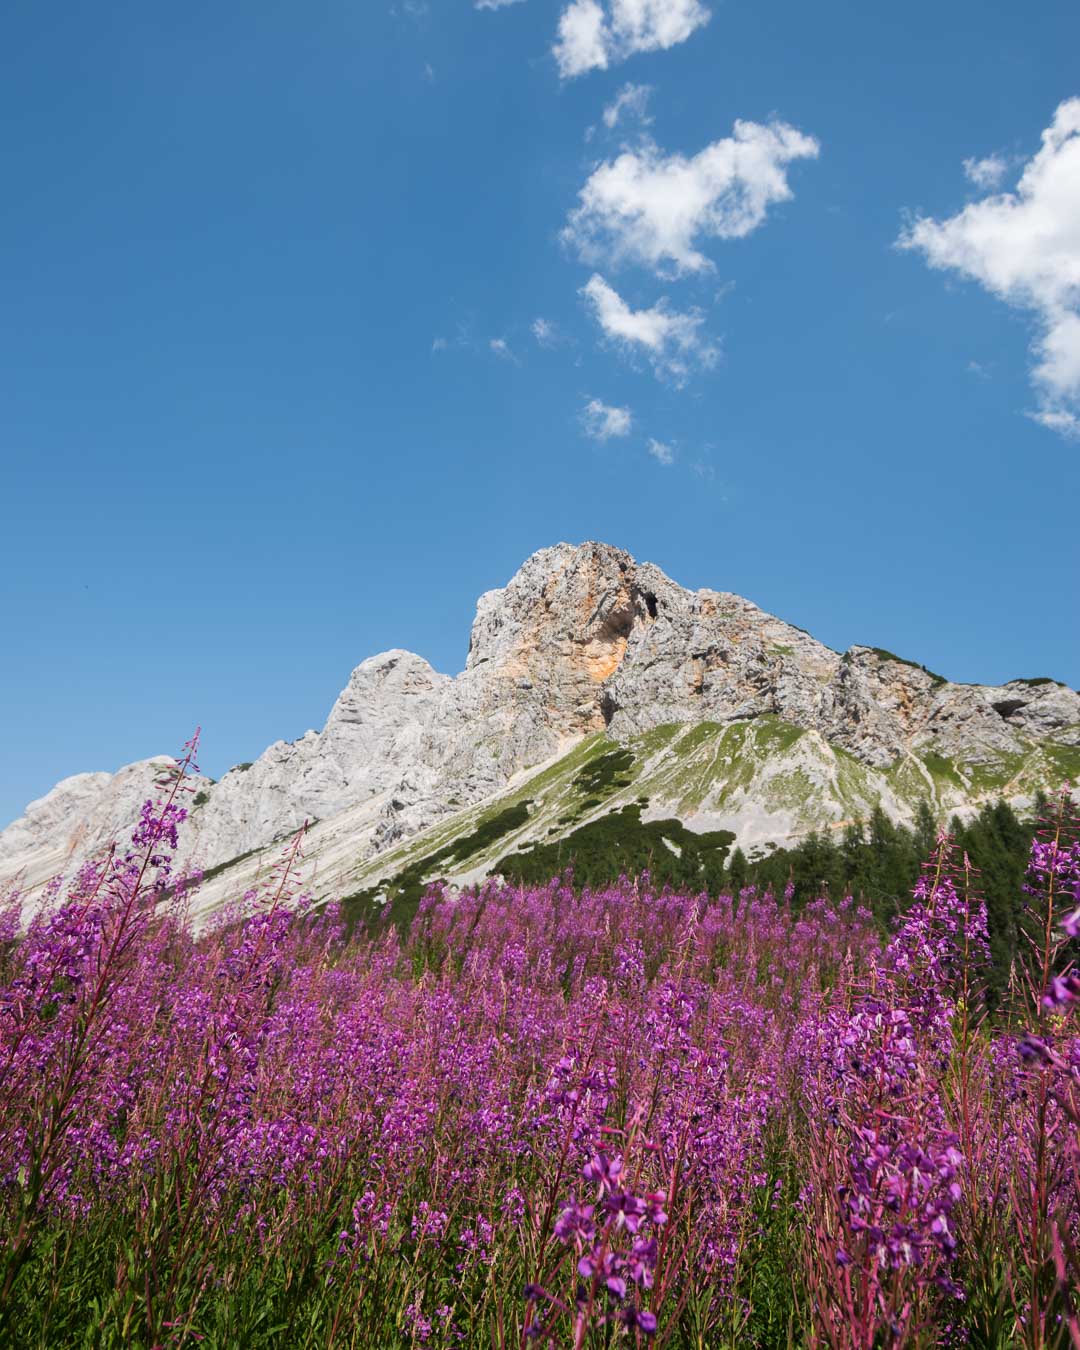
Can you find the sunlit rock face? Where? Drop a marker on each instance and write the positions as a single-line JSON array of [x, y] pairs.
[[582, 639], [77, 819]]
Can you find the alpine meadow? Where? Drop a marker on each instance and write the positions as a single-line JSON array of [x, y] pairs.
[[593, 482]]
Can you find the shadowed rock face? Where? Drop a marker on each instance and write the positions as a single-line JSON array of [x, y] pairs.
[[582, 639]]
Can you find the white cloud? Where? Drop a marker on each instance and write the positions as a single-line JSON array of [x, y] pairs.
[[1067, 423], [1024, 247], [663, 454], [986, 173], [652, 208], [672, 340], [501, 348], [632, 100], [601, 422], [1057, 371], [439, 345], [494, 4], [593, 36], [545, 332], [582, 43]]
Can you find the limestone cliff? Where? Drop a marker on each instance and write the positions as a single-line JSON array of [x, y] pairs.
[[583, 639]]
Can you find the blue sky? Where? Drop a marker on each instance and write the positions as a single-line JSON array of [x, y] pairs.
[[272, 396]]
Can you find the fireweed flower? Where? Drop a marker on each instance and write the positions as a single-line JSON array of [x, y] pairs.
[[575, 1224], [627, 1210], [604, 1171], [887, 1170], [578, 1093], [608, 1265], [1061, 991], [1054, 858]]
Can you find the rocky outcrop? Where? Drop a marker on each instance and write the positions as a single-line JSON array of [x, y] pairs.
[[878, 706], [582, 639], [370, 747], [79, 817]]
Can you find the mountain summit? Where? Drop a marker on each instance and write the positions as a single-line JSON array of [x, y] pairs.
[[585, 647]]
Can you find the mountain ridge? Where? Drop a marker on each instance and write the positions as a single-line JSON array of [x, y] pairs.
[[583, 641]]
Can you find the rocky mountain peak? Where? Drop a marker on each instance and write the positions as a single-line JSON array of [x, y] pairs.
[[582, 639], [571, 606]]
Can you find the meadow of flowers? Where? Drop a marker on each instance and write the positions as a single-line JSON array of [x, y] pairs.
[[542, 1116]]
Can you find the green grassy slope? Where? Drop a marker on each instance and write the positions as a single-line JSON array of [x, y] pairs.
[[675, 798]]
